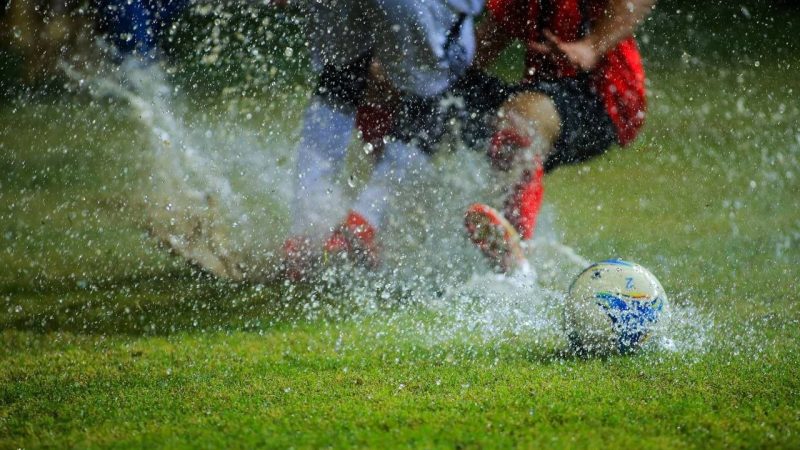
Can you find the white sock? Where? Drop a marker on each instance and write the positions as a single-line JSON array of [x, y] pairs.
[[326, 133], [400, 163]]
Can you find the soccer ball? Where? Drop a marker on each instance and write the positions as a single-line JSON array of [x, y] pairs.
[[613, 307]]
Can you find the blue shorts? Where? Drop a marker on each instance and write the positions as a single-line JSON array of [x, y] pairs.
[[137, 25]]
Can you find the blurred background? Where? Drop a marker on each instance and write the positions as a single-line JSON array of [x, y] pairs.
[[248, 45]]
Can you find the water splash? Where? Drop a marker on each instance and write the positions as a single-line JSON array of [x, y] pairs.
[[218, 194], [201, 177]]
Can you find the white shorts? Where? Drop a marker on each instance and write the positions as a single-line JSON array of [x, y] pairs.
[[409, 38]]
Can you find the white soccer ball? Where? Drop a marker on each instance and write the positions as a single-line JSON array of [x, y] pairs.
[[612, 307]]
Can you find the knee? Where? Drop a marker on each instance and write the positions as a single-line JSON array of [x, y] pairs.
[[531, 114]]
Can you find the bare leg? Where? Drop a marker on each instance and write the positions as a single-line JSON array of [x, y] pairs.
[[531, 121], [527, 127], [534, 116]]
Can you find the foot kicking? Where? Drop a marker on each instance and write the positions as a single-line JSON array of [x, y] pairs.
[[353, 240], [495, 237], [500, 236]]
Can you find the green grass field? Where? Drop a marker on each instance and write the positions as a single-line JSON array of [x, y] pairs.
[[107, 341]]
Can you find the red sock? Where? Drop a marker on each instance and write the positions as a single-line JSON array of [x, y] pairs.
[[354, 227], [504, 146], [360, 228], [355, 237], [523, 204]]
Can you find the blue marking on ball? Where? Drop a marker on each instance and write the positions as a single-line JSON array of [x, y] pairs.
[[631, 318]]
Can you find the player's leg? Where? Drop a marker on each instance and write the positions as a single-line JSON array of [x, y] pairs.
[[340, 56], [555, 123], [325, 136], [340, 47], [400, 163], [355, 237], [414, 45], [568, 123], [527, 126], [321, 153]]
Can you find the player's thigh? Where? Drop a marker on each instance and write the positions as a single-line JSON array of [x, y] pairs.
[[532, 113]]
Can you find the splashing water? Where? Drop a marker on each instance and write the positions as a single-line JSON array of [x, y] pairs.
[[218, 195]]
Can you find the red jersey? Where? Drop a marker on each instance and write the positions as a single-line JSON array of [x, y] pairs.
[[618, 78]]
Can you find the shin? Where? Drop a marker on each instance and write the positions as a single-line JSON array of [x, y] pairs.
[[528, 126]]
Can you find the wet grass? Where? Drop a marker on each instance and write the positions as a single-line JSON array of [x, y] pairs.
[[106, 341]]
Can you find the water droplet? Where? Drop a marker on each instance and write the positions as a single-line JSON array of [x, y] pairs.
[[368, 148]]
